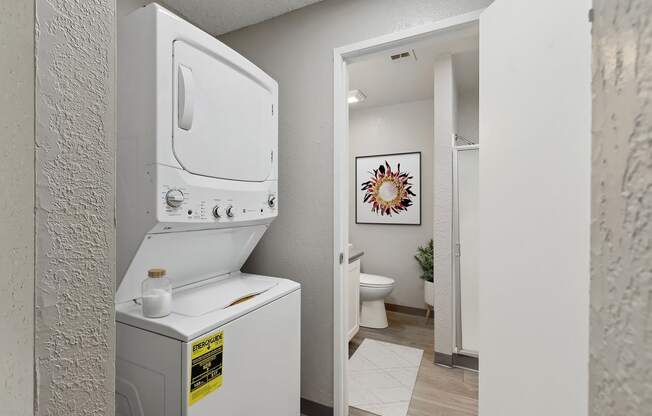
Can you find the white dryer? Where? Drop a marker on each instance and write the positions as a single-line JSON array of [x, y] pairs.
[[197, 189]]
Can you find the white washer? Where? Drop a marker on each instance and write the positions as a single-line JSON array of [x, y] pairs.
[[197, 189]]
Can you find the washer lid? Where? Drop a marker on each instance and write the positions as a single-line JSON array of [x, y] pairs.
[[189, 256], [198, 300], [186, 328], [375, 280]]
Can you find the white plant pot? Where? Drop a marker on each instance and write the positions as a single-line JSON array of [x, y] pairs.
[[429, 293]]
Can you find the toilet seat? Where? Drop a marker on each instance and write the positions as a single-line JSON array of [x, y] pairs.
[[374, 280]]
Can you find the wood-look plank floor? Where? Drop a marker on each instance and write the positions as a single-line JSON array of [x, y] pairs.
[[438, 391]]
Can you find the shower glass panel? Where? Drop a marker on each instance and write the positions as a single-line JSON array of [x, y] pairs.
[[466, 248]]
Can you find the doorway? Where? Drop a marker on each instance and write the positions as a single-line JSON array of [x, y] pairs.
[[345, 57]]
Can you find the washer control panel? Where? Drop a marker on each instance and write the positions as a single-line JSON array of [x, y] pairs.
[[190, 204]]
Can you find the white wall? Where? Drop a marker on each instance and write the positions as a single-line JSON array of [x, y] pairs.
[[296, 49], [390, 249], [534, 207], [445, 114], [17, 202]]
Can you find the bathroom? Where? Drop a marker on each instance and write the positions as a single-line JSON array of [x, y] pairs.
[[395, 95]]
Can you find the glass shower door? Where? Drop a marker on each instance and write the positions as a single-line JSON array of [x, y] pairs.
[[466, 207]]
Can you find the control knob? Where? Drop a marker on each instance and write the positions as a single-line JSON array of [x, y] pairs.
[[271, 200], [218, 211], [174, 198], [229, 211]]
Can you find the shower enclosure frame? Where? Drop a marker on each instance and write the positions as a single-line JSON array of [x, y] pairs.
[[456, 252]]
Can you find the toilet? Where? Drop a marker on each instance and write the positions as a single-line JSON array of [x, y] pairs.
[[373, 291]]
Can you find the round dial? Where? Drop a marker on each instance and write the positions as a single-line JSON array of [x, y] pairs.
[[174, 198], [218, 211], [271, 201], [230, 212]]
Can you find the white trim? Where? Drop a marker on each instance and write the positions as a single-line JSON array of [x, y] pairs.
[[469, 353], [342, 56], [341, 235], [467, 147], [364, 47]]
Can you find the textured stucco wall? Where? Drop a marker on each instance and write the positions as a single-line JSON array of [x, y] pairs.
[[16, 203], [75, 236], [296, 49], [621, 233]]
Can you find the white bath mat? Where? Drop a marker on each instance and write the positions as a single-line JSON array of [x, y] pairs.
[[382, 377]]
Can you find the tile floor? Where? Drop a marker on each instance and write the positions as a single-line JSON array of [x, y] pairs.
[[438, 391]]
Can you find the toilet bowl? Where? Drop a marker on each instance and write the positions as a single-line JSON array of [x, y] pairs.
[[373, 291]]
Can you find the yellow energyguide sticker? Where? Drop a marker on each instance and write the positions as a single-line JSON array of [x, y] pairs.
[[206, 366]]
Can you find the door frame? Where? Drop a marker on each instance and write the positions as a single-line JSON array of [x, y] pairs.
[[342, 56], [457, 289]]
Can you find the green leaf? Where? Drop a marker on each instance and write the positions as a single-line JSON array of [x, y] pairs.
[[425, 258]]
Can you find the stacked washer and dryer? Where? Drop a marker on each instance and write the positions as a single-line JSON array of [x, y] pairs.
[[197, 189]]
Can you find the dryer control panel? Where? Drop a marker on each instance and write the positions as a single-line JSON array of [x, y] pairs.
[[184, 199], [183, 203]]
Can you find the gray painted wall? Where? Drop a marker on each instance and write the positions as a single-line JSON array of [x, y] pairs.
[[297, 50], [124, 7], [467, 95], [621, 232], [75, 198], [16, 203], [467, 114], [445, 104], [390, 249]]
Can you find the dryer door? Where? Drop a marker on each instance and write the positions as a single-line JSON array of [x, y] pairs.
[[224, 122]]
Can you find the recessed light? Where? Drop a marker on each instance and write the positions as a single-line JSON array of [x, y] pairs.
[[356, 96]]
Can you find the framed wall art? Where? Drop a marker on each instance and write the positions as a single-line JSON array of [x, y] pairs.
[[388, 189]]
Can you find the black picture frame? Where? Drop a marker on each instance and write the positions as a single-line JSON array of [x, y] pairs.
[[357, 191]]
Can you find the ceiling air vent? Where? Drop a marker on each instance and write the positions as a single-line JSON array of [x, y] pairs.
[[403, 55]]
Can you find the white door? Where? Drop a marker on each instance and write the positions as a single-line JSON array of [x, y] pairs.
[[223, 117], [467, 216], [535, 219]]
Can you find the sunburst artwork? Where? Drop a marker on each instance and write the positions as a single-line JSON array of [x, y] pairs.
[[388, 189]]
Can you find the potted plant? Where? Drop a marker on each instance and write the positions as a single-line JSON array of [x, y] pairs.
[[425, 257]]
